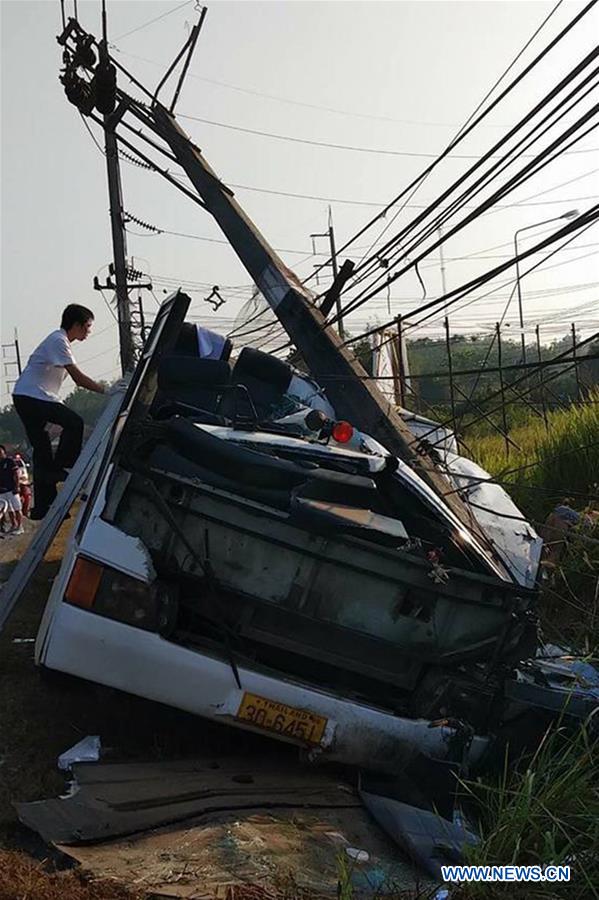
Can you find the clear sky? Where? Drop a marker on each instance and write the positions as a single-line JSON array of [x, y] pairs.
[[399, 77]]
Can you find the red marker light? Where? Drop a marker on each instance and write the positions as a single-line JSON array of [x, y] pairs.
[[342, 432]]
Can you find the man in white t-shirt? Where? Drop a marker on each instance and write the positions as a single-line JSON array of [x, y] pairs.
[[36, 400]]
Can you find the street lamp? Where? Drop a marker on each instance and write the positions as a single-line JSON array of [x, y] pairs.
[[571, 214]]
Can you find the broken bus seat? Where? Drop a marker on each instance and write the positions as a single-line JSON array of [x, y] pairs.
[[187, 383], [266, 379]]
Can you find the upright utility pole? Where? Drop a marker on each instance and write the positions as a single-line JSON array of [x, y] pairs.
[[541, 385], [502, 389], [119, 249], [117, 225], [450, 373], [520, 311], [335, 273], [576, 372], [442, 261], [400, 398], [330, 233], [17, 352]]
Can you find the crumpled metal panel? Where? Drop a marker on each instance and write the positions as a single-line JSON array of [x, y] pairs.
[[110, 799]]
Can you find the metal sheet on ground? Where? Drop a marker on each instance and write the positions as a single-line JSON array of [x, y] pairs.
[[266, 852], [117, 799], [13, 589], [242, 822]]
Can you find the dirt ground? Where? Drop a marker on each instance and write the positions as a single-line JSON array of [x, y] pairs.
[[23, 878], [37, 718], [43, 714]]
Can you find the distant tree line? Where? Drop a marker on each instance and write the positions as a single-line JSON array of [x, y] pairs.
[[430, 394]]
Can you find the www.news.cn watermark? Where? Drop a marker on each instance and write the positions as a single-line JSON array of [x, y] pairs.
[[459, 874]]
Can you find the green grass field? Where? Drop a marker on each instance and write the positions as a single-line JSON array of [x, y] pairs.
[[559, 461], [555, 463]]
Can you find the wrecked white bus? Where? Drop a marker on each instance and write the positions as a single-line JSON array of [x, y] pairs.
[[283, 572]]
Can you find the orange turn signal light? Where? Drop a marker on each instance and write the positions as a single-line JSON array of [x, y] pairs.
[[83, 583], [342, 432]]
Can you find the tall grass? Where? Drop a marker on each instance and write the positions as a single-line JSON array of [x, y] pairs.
[[546, 813], [569, 609], [542, 812], [552, 463]]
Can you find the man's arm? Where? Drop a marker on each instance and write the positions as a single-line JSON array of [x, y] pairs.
[[15, 474], [84, 381]]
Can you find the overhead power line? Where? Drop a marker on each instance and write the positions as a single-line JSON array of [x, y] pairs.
[[417, 183], [132, 160], [331, 146], [152, 21], [410, 189], [452, 297], [478, 256], [352, 114], [98, 355], [403, 251], [510, 67], [380, 203], [512, 155], [91, 134], [256, 93], [153, 230], [556, 186], [432, 318], [489, 370]]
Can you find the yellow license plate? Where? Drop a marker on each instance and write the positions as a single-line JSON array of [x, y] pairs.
[[298, 724]]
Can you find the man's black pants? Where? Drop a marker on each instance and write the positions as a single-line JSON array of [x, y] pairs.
[[35, 415]]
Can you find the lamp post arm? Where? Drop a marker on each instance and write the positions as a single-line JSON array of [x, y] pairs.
[[519, 289], [544, 222], [516, 233]]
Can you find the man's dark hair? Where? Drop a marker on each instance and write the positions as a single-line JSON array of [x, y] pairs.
[[74, 314]]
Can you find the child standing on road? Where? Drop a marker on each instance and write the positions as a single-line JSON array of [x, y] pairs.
[[24, 485]]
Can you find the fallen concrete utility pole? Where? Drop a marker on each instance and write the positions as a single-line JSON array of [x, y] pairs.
[[354, 397]]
